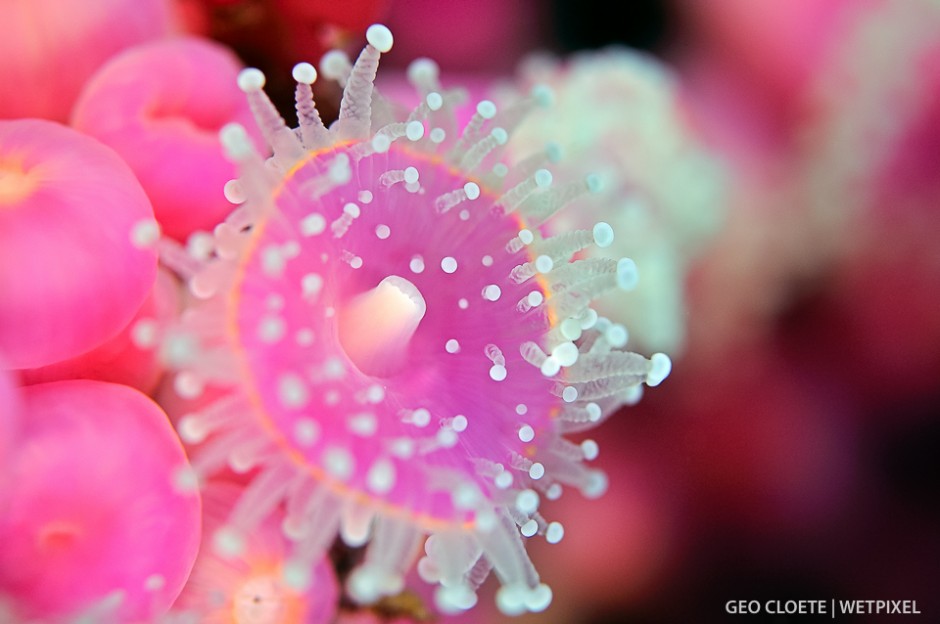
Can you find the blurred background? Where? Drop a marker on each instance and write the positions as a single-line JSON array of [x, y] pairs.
[[793, 453]]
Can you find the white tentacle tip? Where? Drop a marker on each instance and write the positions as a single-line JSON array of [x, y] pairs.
[[539, 598], [486, 109], [566, 354], [543, 95], [516, 599], [554, 533], [145, 234], [228, 543], [234, 192], [304, 73], [617, 335], [380, 37], [334, 64], [510, 599], [296, 576], [660, 367], [472, 190], [250, 80], [596, 485], [455, 599], [550, 367], [235, 141], [414, 130], [627, 275], [594, 183], [422, 70], [543, 178], [603, 234], [434, 101]]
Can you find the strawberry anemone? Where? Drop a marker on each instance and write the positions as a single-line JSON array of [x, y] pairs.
[[403, 349]]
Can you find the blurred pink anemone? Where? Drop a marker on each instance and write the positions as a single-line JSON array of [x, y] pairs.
[[70, 272], [131, 357], [50, 48], [254, 583], [160, 106], [95, 522]]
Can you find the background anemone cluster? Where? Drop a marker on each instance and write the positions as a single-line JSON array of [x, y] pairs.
[[772, 168]]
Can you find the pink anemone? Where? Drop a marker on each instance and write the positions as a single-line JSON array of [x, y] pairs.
[[94, 521], [130, 358], [255, 584], [405, 349], [70, 272], [50, 48], [160, 106]]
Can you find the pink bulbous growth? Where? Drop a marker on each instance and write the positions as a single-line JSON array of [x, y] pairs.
[[73, 270], [131, 357], [252, 581], [160, 106], [55, 45], [405, 350], [95, 524]]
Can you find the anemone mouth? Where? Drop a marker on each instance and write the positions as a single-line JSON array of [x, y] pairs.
[[59, 536], [16, 183], [376, 326], [264, 599]]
